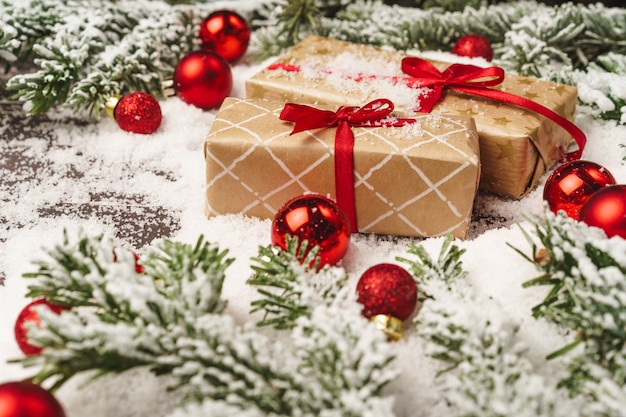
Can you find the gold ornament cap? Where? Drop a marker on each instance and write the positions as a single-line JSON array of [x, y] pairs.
[[167, 87], [110, 105], [391, 326]]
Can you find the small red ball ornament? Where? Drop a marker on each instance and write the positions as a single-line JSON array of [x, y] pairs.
[[226, 33], [388, 293], [202, 79], [571, 184], [25, 399], [473, 46], [317, 219], [136, 112], [29, 315], [606, 209]]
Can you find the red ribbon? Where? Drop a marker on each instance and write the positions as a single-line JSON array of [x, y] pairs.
[[467, 79], [373, 114], [476, 81]]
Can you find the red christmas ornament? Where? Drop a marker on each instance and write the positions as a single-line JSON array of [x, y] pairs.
[[202, 79], [606, 209], [136, 112], [317, 219], [25, 399], [473, 46], [29, 315], [389, 296], [226, 33], [571, 184]]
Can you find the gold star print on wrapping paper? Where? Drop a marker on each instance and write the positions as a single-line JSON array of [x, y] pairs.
[[530, 95], [501, 121], [507, 151], [560, 89]]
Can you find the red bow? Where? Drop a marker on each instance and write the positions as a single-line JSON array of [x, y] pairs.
[[476, 81], [373, 114]]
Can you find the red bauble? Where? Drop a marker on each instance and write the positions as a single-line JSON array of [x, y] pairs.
[[571, 184], [25, 399], [387, 289], [226, 33], [606, 209], [28, 315], [473, 46], [317, 219], [202, 79], [138, 112]]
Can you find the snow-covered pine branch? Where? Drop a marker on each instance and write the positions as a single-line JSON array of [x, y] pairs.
[[586, 274], [166, 313]]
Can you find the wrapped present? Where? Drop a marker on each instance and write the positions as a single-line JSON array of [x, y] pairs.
[[413, 179], [517, 144]]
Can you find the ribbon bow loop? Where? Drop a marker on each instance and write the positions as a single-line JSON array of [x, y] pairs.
[[306, 117], [476, 81], [373, 111], [457, 76]]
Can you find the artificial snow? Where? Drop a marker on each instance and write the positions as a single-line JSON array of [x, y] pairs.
[[166, 169]]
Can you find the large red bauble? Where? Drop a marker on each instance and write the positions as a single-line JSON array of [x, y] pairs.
[[138, 112], [571, 184], [202, 79], [473, 46], [387, 289], [606, 209], [317, 219], [25, 399], [226, 33], [29, 315]]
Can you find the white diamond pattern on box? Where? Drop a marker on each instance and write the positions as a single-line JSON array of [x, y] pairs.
[[417, 180]]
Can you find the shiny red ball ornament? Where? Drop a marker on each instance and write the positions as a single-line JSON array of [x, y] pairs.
[[202, 79], [226, 33], [388, 293], [25, 399], [606, 209], [317, 219], [473, 46], [29, 315], [138, 112], [571, 184]]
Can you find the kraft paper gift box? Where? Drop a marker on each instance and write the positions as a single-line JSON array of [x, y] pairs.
[[516, 145], [415, 180]]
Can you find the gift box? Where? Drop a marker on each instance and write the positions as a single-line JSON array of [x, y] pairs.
[[517, 145], [416, 180]]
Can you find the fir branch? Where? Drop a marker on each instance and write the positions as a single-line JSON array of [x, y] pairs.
[[586, 275], [117, 48], [68, 51], [22, 26], [140, 61], [169, 318], [430, 274], [289, 284], [487, 373], [484, 368]]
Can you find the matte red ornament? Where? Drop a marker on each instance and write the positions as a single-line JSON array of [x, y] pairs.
[[317, 219], [29, 315], [202, 79], [226, 33], [25, 399], [387, 289], [138, 112], [571, 184], [606, 209], [473, 46]]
